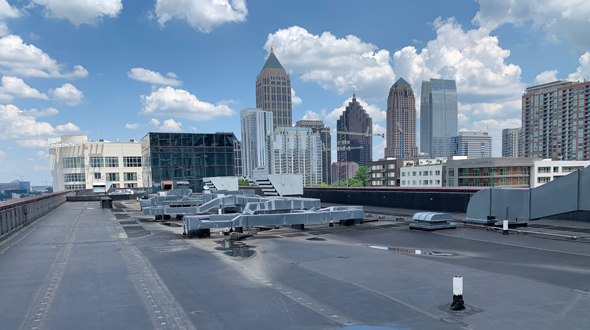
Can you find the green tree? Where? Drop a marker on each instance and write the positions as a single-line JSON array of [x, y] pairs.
[[362, 174], [243, 183]]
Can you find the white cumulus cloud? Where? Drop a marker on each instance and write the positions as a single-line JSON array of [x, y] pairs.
[[339, 64], [67, 94], [153, 77], [296, 100], [6, 11], [15, 87], [32, 143], [40, 168], [170, 125], [20, 59], [42, 154], [154, 122], [81, 11], [132, 126], [310, 115], [23, 125], [378, 129], [374, 112], [203, 15], [167, 101], [558, 18], [583, 71], [546, 77], [2, 154]]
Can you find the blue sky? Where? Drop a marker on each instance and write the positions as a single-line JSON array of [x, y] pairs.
[[124, 68]]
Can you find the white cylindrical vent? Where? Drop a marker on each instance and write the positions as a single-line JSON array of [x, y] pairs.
[[505, 225], [457, 285], [219, 211]]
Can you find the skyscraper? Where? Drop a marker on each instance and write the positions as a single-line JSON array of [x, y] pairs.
[[256, 126], [401, 121], [355, 147], [473, 144], [318, 127], [273, 91], [510, 142], [555, 120], [438, 117], [296, 150]]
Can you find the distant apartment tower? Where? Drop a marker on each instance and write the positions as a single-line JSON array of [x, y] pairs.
[[473, 144], [555, 119], [273, 91], [401, 121], [510, 142], [256, 125], [77, 163], [318, 126], [296, 150], [354, 147], [438, 117]]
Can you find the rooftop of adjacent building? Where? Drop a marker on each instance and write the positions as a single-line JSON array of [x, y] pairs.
[[482, 132], [85, 267], [550, 87]]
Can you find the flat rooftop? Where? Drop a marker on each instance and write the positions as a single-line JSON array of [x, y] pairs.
[[82, 267]]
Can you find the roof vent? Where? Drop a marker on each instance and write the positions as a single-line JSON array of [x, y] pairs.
[[131, 140]]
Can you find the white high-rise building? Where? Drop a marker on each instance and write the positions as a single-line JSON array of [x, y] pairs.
[[256, 126], [77, 164], [510, 142], [296, 150]]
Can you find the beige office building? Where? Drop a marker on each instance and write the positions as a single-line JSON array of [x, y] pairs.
[[77, 163]]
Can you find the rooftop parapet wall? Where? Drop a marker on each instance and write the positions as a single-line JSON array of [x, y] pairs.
[[20, 213]]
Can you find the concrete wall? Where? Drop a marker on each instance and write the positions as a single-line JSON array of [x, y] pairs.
[[17, 214], [427, 200]]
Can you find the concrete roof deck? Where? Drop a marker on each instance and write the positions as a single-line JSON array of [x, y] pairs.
[[82, 267]]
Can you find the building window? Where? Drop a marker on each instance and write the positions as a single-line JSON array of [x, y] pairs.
[[403, 173], [392, 183], [73, 162], [403, 182], [74, 186], [414, 173], [74, 177], [437, 181], [437, 172], [130, 176], [556, 169], [111, 161], [131, 185], [414, 182], [112, 176], [97, 176], [391, 166], [115, 185], [96, 162], [543, 179], [451, 172], [544, 170], [391, 174], [131, 161]]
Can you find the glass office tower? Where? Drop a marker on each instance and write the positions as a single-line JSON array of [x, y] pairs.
[[438, 117], [186, 157]]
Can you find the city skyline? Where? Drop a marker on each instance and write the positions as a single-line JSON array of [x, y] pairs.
[[117, 73]]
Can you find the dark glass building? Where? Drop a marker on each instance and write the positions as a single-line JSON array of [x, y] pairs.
[[356, 147], [186, 157]]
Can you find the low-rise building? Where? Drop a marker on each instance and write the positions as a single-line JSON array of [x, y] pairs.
[[385, 172], [547, 170], [490, 172], [423, 173], [77, 163]]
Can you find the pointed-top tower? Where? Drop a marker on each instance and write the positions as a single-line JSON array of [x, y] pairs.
[[354, 147], [401, 121], [273, 91]]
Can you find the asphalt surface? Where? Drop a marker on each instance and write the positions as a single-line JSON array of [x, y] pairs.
[[82, 267]]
